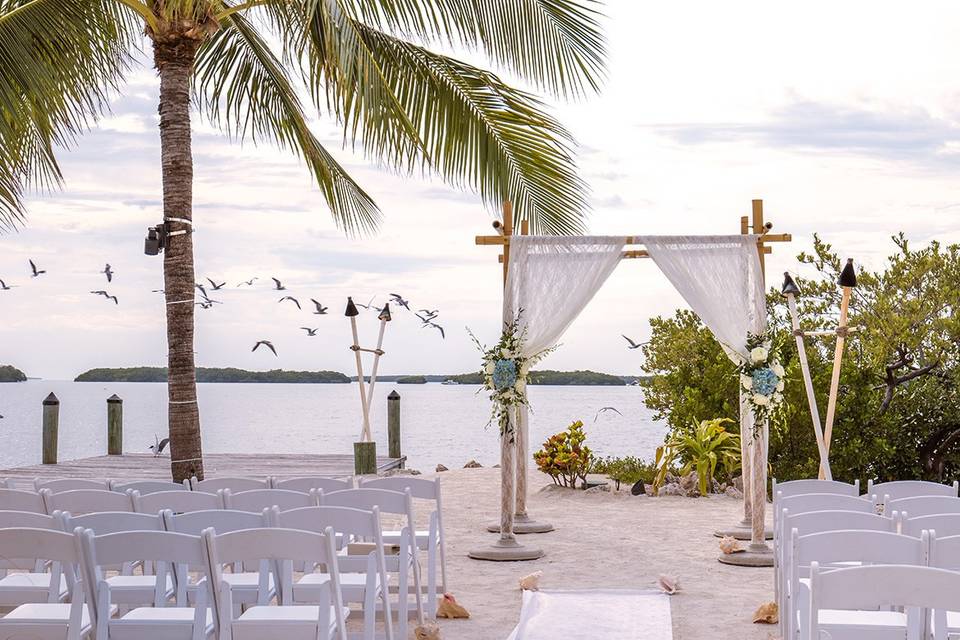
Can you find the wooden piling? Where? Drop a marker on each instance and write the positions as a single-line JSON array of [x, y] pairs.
[[393, 424], [114, 426], [51, 427], [364, 458]]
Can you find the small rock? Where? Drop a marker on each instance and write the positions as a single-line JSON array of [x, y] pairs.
[[496, 466], [738, 483], [600, 488], [473, 464], [401, 472], [733, 492], [690, 485], [671, 478], [638, 488], [440, 468], [672, 489]]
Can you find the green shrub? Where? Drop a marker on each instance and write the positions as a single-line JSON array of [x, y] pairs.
[[564, 456], [627, 470], [705, 447]]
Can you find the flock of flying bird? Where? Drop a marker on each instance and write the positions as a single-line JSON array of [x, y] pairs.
[[426, 316]]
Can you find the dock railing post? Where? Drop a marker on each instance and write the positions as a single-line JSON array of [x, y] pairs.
[[114, 426], [51, 426], [393, 425]]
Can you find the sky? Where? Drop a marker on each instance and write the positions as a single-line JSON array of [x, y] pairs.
[[843, 117]]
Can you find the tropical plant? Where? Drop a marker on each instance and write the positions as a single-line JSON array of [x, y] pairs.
[[627, 470], [564, 456], [705, 447], [247, 66]]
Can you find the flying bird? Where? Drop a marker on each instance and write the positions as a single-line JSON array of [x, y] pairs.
[[321, 310], [278, 286], [216, 287], [249, 282], [310, 332], [158, 446], [36, 272], [267, 343], [295, 301], [108, 271], [400, 301], [157, 291], [604, 409], [106, 295], [367, 306], [4, 286], [633, 345], [425, 319], [430, 313], [202, 289], [437, 327], [206, 304]]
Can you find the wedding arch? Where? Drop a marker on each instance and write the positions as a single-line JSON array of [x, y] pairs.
[[721, 277]]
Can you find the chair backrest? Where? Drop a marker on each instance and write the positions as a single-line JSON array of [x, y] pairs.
[[344, 521], [17, 500], [909, 488], [796, 487], [866, 547], [221, 520], [45, 544], [880, 586], [945, 524], [29, 519], [388, 502], [818, 521], [306, 483], [175, 501], [420, 488], [236, 485], [944, 551], [916, 506], [806, 502], [70, 484], [81, 501], [147, 486], [259, 499], [106, 522]]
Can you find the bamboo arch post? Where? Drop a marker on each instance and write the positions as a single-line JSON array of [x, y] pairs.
[[506, 548]]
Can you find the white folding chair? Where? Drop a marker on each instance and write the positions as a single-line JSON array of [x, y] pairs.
[[322, 621], [145, 487], [249, 587], [839, 549], [47, 620], [916, 506], [818, 522], [363, 578], [908, 488], [839, 596], [19, 500], [23, 580], [259, 499], [70, 484], [236, 485], [945, 524], [83, 501], [796, 487], [306, 483], [165, 550], [127, 587], [432, 540], [175, 501], [944, 553], [407, 561]]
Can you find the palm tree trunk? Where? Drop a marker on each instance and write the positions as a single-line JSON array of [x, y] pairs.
[[174, 60]]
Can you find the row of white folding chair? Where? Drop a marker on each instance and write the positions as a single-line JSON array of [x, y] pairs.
[[212, 485], [297, 483], [921, 505], [27, 579], [816, 522], [840, 595], [910, 488], [796, 487]]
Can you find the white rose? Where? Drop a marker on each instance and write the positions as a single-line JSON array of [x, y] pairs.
[[759, 354], [746, 381], [780, 386], [777, 398], [525, 369], [760, 399], [505, 353], [489, 368]]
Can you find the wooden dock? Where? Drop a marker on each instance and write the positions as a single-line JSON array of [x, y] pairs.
[[141, 466]]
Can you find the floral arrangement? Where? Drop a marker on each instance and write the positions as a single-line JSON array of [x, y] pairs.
[[505, 370], [762, 377]]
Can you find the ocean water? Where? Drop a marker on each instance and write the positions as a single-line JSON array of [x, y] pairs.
[[440, 423]]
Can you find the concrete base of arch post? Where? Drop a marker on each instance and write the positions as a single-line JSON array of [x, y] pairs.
[[760, 555], [523, 524], [506, 550]]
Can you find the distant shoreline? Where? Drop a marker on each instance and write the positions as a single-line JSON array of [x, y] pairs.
[[233, 375]]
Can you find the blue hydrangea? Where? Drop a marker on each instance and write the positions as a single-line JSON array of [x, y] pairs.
[[765, 381], [504, 374]]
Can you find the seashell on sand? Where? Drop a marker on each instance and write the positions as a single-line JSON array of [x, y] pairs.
[[450, 608], [531, 582], [767, 613], [729, 544], [668, 584], [429, 630]]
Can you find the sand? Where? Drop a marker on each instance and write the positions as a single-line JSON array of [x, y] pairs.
[[601, 540]]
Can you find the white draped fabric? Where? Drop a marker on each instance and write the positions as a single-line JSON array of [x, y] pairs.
[[720, 277]]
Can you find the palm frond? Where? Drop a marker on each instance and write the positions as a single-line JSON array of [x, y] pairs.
[[59, 61], [482, 134], [243, 88], [557, 45]]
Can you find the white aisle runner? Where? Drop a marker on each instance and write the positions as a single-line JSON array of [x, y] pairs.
[[592, 614]]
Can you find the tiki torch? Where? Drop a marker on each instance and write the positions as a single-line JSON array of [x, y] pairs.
[[352, 313], [384, 318], [848, 280], [790, 291]]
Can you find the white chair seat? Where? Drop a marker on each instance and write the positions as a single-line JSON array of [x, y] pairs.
[[136, 589], [22, 588], [289, 623], [953, 622], [393, 537], [352, 585], [880, 624], [40, 612], [157, 623]]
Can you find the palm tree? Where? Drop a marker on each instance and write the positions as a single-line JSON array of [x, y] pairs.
[[254, 67]]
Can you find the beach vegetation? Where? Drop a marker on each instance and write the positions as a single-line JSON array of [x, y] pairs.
[[626, 470], [565, 457], [705, 447], [9, 373]]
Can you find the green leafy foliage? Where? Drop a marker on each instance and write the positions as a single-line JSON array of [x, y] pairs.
[[208, 374], [9, 373], [564, 456], [898, 409], [705, 447], [626, 470]]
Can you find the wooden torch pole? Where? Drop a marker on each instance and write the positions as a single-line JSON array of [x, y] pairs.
[[848, 280], [384, 319], [352, 314]]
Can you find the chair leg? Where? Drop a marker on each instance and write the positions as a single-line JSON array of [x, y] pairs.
[[369, 614], [432, 580]]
